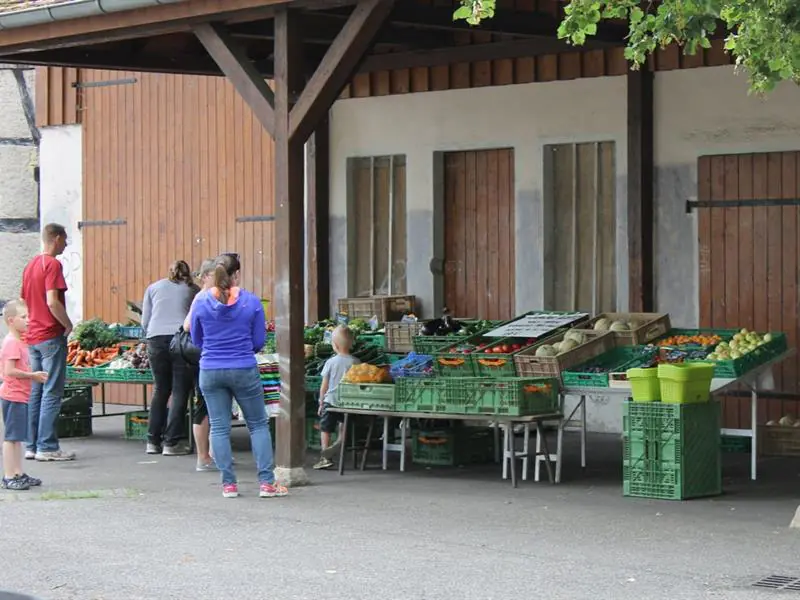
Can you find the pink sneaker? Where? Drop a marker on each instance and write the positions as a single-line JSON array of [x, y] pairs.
[[272, 490], [230, 490]]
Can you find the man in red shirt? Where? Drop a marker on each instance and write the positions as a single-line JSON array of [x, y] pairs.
[[43, 289]]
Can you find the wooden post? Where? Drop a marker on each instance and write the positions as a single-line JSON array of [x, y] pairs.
[[289, 297], [317, 223], [640, 190]]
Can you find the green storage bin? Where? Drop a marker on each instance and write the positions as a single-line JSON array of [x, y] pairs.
[[671, 451], [645, 385], [136, 425], [422, 394], [685, 383], [366, 396], [508, 396], [75, 416], [451, 447]]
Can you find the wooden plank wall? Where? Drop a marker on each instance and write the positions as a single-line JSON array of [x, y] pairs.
[[57, 99], [479, 274], [553, 67], [749, 262]]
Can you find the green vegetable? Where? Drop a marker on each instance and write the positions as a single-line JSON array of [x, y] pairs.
[[93, 334]]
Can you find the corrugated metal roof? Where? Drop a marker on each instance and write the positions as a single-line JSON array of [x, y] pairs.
[[7, 6]]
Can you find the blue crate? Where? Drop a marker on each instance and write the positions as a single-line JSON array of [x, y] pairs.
[[413, 365], [129, 332]]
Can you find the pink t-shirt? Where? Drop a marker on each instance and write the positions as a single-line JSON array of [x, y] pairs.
[[15, 389]]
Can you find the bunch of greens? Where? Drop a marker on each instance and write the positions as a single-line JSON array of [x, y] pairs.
[[93, 334]]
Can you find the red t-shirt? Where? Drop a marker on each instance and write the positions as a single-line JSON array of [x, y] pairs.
[[15, 389], [43, 273]]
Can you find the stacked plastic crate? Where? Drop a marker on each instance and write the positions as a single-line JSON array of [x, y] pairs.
[[671, 434]]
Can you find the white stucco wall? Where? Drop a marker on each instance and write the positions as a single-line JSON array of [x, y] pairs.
[[697, 112], [61, 168], [18, 192]]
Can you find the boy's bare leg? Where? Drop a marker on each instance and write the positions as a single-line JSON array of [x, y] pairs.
[[201, 441], [12, 459]]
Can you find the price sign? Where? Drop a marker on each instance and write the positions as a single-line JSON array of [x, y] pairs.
[[537, 325]]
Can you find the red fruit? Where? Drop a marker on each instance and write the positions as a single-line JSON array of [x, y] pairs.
[[515, 347], [504, 349], [488, 351]]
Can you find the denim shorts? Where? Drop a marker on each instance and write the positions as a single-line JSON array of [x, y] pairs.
[[15, 420], [329, 421]]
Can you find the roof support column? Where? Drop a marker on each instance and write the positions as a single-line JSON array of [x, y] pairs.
[[641, 285], [317, 223], [289, 297]]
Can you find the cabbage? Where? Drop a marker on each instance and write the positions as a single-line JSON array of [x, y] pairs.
[[545, 350], [575, 336], [619, 326], [602, 324]]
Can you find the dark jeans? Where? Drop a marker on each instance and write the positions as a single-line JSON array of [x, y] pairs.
[[172, 376]]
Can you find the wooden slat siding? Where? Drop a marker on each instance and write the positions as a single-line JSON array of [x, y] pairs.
[[179, 158], [56, 99], [552, 67], [748, 262], [478, 232]]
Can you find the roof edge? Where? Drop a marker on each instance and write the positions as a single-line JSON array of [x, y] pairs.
[[74, 9]]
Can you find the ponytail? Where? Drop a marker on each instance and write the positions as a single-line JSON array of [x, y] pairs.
[[179, 272], [223, 282]]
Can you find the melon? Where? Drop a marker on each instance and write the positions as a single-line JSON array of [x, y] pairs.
[[602, 324], [786, 421], [567, 345], [545, 350], [575, 336], [619, 326]]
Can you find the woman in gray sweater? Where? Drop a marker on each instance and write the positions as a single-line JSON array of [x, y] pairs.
[[166, 304]]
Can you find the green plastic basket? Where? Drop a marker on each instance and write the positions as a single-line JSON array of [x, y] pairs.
[[645, 386], [685, 383], [136, 425], [366, 396]]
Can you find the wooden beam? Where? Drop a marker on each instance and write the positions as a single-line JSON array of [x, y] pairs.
[[338, 66], [289, 298], [641, 297], [317, 222], [471, 53], [234, 62]]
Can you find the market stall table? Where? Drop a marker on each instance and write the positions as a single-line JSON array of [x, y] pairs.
[[507, 421], [756, 380]]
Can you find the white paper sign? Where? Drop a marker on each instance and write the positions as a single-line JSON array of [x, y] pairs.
[[536, 325]]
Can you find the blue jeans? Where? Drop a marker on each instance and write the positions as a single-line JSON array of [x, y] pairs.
[[219, 387], [45, 402]]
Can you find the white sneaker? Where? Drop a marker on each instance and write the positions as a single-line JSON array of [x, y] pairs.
[[30, 455], [56, 456]]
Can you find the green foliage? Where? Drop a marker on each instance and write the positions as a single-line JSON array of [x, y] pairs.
[[762, 35]]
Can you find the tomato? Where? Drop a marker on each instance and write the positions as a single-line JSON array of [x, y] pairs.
[[505, 349], [515, 347], [488, 351], [497, 350]]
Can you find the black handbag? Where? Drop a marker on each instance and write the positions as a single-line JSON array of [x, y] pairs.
[[181, 345]]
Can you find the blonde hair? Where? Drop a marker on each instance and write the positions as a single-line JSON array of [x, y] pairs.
[[12, 308], [343, 338]]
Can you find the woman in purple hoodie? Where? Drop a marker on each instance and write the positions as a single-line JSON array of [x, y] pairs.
[[227, 324]]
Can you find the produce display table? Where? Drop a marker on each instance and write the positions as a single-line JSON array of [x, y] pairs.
[[542, 450], [755, 380]]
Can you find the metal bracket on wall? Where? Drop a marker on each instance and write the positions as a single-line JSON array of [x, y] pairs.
[[96, 84], [82, 224], [256, 219], [752, 203]]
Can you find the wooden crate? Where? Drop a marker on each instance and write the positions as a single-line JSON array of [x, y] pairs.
[[530, 365], [400, 336], [777, 440], [652, 326], [386, 308]]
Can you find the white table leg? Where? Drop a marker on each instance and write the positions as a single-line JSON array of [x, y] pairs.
[[537, 462], [583, 433], [526, 450], [559, 447], [754, 427], [497, 453], [403, 437], [506, 456], [385, 443]]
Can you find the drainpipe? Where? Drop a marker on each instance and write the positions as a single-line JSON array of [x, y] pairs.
[[72, 9]]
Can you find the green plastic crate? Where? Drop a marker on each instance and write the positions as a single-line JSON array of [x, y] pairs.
[[373, 340], [730, 369], [735, 444], [422, 394], [452, 447], [81, 373], [313, 434], [430, 344], [671, 451], [453, 364], [75, 417], [108, 375], [366, 396], [499, 364], [136, 425], [508, 396], [614, 361]]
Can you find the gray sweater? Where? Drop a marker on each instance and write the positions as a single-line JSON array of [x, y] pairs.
[[165, 306]]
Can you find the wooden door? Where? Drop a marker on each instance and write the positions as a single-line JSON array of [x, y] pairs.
[[748, 263], [479, 233]]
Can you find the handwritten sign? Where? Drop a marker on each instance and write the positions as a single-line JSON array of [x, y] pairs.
[[537, 325]]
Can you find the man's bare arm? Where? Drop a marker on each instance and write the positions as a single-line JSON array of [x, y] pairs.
[[58, 310]]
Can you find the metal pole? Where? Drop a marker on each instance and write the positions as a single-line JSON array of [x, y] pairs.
[[595, 267], [574, 227], [372, 226], [391, 224]]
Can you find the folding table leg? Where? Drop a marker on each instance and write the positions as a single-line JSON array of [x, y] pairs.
[[403, 438], [559, 448], [583, 432], [343, 446], [546, 450], [525, 449], [367, 442], [512, 457], [754, 442], [506, 456], [385, 462], [537, 461]]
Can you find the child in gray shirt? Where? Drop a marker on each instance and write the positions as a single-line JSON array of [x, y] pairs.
[[332, 374]]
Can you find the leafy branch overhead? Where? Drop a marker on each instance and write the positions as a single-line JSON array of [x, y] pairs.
[[762, 35]]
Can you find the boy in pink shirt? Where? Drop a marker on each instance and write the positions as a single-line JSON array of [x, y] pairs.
[[14, 394]]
